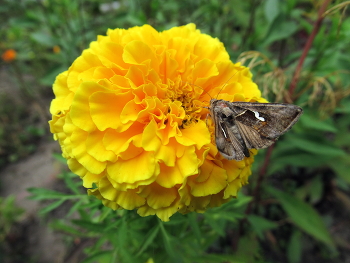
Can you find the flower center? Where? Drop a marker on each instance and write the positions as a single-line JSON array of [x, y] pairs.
[[189, 98]]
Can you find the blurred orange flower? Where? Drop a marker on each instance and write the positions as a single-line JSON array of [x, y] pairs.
[[56, 49], [9, 55], [130, 117]]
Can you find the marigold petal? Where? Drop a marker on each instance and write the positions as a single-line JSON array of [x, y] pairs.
[[76, 167], [139, 53], [163, 213], [169, 176], [127, 199], [216, 181], [78, 139], [150, 140], [199, 204], [198, 134], [105, 49], [233, 188], [119, 142], [188, 162], [139, 168], [136, 76], [63, 95], [105, 202], [95, 147], [89, 179], [157, 196], [80, 110], [86, 62], [166, 154], [106, 109], [203, 70]]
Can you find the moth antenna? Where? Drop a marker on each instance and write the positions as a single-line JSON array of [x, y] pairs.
[[226, 84], [198, 87]]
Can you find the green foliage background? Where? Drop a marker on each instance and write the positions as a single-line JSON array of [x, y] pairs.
[[292, 208]]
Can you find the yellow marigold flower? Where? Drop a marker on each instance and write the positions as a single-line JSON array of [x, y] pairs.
[[9, 55], [56, 49], [130, 117]]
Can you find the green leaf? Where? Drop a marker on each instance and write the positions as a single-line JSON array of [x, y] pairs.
[[59, 225], [51, 206], [315, 123], [317, 147], [294, 249], [260, 225], [59, 158], [271, 9], [303, 215], [215, 223], [43, 194], [316, 189], [193, 221], [43, 38], [95, 257], [280, 29], [93, 227], [168, 242], [342, 167], [71, 184], [149, 238]]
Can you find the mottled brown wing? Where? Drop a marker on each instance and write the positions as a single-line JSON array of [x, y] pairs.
[[227, 143], [278, 117], [252, 138]]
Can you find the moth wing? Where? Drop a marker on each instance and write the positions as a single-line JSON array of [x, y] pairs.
[[229, 147], [277, 118], [252, 138]]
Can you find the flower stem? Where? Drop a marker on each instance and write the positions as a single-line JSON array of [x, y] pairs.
[[307, 47]]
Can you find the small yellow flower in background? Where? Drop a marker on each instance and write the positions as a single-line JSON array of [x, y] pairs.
[[56, 49], [9, 55], [130, 117]]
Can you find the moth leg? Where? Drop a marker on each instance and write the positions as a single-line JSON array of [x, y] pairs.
[[206, 119]]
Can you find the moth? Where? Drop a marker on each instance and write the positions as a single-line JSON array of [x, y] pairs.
[[240, 126]]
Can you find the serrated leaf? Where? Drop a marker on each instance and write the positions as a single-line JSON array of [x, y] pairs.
[[43, 194], [216, 224], [303, 215], [168, 242], [51, 207], [148, 239], [71, 184], [193, 222], [59, 225]]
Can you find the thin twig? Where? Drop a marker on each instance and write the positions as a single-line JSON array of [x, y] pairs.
[[262, 172], [307, 47]]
